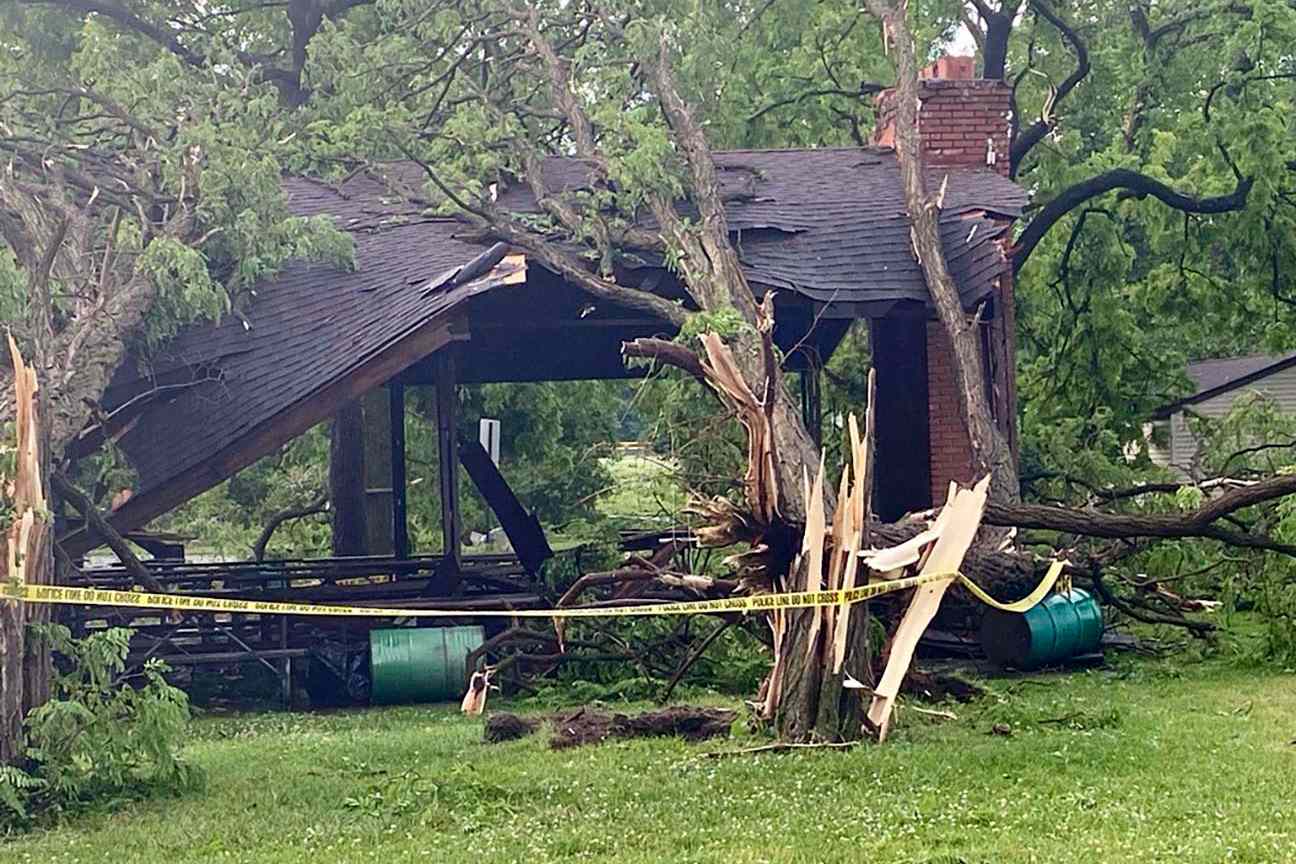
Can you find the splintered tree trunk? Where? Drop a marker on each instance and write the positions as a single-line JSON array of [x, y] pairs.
[[26, 556], [814, 705], [38, 664]]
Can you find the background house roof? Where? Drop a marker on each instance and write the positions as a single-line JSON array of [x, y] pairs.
[[1213, 377]]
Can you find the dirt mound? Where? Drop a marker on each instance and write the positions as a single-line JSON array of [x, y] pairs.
[[590, 725], [509, 727]]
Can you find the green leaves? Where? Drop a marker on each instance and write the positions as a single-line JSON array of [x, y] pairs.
[[1124, 290], [99, 737]]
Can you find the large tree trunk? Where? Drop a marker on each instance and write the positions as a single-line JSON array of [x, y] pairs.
[[26, 550], [814, 705], [991, 453], [12, 650]]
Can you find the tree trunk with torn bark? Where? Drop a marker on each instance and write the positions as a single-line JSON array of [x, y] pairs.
[[26, 550], [13, 647], [991, 453]]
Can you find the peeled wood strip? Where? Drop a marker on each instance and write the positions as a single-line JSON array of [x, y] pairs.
[[761, 480], [840, 556], [28, 492], [25, 540], [859, 509], [962, 519], [902, 555], [812, 549]]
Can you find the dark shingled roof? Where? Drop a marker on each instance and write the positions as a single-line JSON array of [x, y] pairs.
[[1214, 374], [831, 224], [308, 328], [1213, 377], [828, 224]]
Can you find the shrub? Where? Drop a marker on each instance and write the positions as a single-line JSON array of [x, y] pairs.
[[101, 736]]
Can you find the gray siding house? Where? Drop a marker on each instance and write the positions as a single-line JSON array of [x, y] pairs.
[[1219, 384]]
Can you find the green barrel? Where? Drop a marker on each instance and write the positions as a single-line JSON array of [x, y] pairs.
[[1060, 626], [420, 664]]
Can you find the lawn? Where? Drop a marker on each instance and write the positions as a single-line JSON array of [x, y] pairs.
[[1151, 761]]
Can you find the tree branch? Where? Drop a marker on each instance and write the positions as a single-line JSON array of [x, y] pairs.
[[866, 88], [990, 453], [319, 505], [1033, 134], [129, 20], [1138, 186], [1198, 523], [665, 351], [97, 524]]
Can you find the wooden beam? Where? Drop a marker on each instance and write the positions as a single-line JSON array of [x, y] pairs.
[[347, 482], [447, 405], [555, 323], [378, 491], [400, 509], [522, 527], [292, 421]]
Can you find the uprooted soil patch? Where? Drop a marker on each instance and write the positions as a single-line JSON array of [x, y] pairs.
[[509, 727], [939, 686], [589, 725]]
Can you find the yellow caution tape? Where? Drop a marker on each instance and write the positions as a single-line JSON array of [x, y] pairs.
[[1026, 603], [750, 603]]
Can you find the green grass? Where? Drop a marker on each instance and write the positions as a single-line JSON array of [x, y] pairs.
[[643, 490], [1151, 763]]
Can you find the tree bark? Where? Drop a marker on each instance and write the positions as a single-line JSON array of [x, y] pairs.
[[991, 453], [13, 648], [26, 550]]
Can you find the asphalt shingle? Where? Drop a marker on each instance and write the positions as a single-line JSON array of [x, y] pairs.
[[827, 224]]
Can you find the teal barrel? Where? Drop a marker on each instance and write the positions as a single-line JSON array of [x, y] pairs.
[[420, 664], [1060, 626]]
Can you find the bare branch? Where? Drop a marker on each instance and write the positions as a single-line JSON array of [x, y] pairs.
[[97, 524], [1199, 523], [664, 351], [319, 505], [866, 88], [1033, 134]]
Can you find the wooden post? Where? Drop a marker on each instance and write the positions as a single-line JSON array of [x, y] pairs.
[[812, 402], [285, 665], [378, 471], [448, 454], [400, 518], [346, 481]]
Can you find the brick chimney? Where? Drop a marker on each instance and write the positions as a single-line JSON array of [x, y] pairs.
[[963, 121]]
